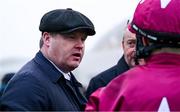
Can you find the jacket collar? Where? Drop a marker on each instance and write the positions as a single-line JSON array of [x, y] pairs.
[[122, 63], [50, 70], [164, 59], [48, 67]]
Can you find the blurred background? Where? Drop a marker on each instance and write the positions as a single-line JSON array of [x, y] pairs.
[[19, 33]]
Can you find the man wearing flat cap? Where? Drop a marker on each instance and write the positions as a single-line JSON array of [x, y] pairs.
[[46, 83]]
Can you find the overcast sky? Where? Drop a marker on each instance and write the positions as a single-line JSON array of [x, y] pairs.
[[19, 21]]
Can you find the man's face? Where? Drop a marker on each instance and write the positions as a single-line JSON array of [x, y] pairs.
[[129, 44], [66, 51]]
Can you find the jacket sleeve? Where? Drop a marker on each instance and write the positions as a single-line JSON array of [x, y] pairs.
[[91, 88], [24, 93], [93, 101]]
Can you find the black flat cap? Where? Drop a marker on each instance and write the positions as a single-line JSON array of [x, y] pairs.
[[66, 21]]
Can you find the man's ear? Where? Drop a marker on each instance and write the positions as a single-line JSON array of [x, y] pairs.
[[46, 38], [122, 44]]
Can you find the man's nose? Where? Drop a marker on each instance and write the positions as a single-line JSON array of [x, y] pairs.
[[133, 49], [80, 43]]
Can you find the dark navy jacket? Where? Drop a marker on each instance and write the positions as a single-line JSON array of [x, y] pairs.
[[40, 86], [106, 76]]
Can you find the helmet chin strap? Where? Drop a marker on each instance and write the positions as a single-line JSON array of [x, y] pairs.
[[157, 40], [139, 45], [143, 51]]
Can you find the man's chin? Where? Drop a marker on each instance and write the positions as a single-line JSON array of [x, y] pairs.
[[74, 65], [132, 64]]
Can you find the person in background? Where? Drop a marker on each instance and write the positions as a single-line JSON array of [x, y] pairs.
[[125, 63], [5, 81], [46, 83], [155, 85]]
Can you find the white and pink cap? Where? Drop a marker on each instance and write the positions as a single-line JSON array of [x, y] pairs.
[[157, 16]]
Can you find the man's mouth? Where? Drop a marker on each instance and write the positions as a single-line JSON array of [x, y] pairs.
[[77, 56]]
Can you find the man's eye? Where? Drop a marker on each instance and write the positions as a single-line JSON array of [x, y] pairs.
[[84, 38], [70, 36], [131, 44]]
